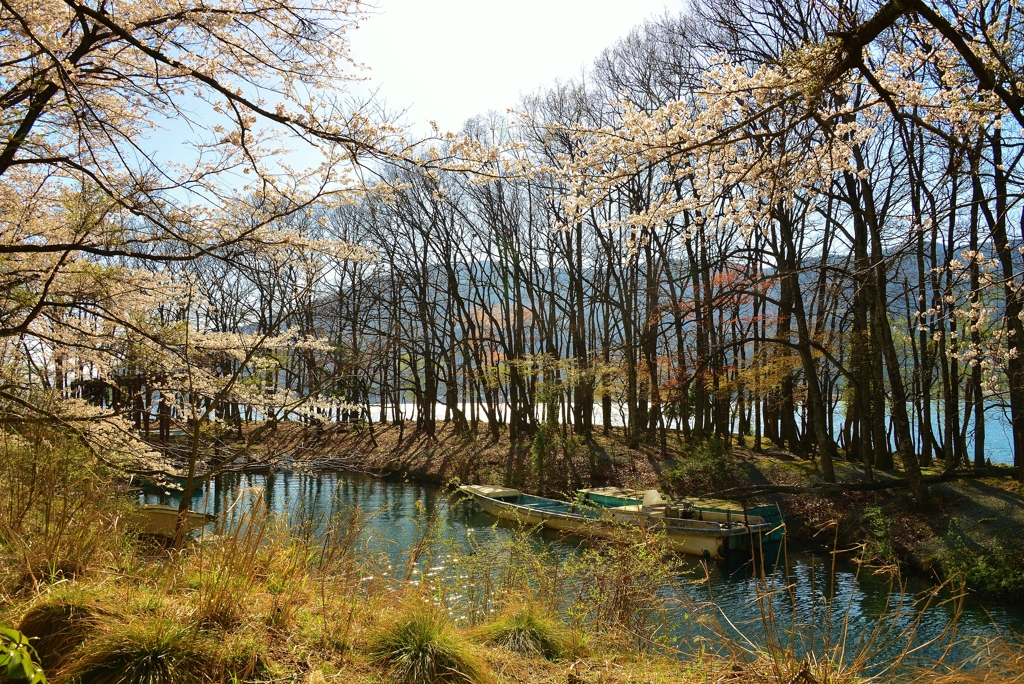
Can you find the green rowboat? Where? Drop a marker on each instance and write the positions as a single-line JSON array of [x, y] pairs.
[[610, 497]]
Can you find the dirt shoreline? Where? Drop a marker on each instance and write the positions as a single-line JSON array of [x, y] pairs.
[[974, 527]]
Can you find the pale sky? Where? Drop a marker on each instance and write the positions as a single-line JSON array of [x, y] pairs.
[[448, 60]]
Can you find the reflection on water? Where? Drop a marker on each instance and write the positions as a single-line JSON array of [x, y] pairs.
[[800, 588]]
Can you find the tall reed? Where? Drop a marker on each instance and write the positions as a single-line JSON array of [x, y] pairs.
[[62, 509]]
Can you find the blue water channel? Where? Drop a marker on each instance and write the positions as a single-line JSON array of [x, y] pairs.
[[831, 605]]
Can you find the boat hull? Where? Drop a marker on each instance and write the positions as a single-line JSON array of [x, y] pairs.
[[611, 497], [162, 520]]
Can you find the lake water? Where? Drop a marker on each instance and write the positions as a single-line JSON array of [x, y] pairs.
[[858, 598]]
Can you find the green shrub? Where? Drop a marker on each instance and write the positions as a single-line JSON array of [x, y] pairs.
[[618, 584], [996, 573], [547, 439], [702, 466], [528, 630], [54, 492], [157, 652], [17, 659], [423, 647], [879, 546]]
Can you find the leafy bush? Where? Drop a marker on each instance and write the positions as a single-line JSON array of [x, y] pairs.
[[529, 630], [16, 658], [547, 439], [998, 573], [879, 546], [422, 647], [618, 585], [701, 467]]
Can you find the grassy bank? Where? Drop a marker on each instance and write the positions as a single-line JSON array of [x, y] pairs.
[[270, 601]]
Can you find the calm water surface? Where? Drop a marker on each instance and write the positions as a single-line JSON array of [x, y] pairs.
[[859, 598]]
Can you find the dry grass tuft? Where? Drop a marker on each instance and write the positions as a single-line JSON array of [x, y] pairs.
[[529, 629], [421, 646], [58, 627], [145, 652]]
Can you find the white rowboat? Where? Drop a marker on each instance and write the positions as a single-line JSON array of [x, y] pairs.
[[162, 520]]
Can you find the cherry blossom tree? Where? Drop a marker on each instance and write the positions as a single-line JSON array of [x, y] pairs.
[[138, 139]]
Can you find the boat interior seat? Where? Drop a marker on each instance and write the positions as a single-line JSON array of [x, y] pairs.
[[553, 504], [656, 510]]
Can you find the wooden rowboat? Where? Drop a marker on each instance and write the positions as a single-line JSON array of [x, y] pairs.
[[707, 534], [610, 497], [162, 520]]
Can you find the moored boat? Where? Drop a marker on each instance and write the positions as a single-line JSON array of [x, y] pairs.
[[162, 520], [706, 534], [610, 497]]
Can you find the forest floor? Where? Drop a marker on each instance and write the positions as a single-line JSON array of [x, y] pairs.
[[972, 526]]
